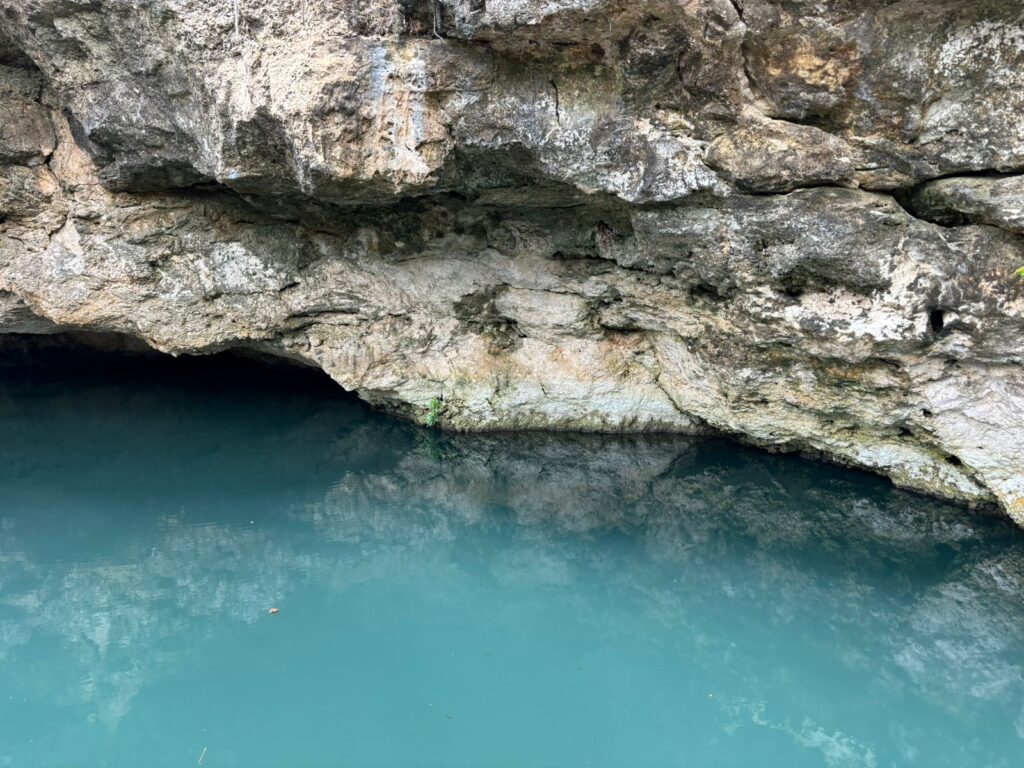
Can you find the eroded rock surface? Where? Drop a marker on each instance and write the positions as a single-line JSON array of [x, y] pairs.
[[995, 200], [790, 221]]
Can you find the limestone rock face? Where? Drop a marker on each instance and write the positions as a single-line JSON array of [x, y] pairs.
[[797, 222], [998, 201]]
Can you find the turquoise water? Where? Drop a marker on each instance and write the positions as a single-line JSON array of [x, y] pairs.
[[503, 600]]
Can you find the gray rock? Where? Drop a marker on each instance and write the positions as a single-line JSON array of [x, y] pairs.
[[776, 156], [998, 201], [563, 215]]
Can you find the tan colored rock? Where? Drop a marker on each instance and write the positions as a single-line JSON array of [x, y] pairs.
[[25, 191], [581, 215], [776, 156]]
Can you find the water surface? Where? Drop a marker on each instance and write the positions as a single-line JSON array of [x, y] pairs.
[[503, 600]]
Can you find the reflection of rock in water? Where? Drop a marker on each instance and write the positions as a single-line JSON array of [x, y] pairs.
[[338, 498]]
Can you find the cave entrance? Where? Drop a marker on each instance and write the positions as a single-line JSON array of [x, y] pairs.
[[96, 358]]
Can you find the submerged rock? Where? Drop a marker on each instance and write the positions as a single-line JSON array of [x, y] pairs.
[[679, 216]]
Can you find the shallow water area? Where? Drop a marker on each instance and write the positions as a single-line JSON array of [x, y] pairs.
[[471, 600]]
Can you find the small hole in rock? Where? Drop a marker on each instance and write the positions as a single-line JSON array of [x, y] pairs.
[[954, 460], [706, 291], [936, 320], [792, 290], [926, 412]]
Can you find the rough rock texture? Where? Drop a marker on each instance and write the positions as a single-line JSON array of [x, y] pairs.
[[682, 215], [998, 201]]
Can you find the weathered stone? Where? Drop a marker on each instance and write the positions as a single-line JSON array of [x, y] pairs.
[[25, 191], [775, 156], [25, 132], [998, 201], [574, 215]]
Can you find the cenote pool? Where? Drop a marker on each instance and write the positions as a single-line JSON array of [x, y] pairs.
[[447, 600]]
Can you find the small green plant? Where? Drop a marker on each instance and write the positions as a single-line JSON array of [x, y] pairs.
[[433, 412], [1020, 272]]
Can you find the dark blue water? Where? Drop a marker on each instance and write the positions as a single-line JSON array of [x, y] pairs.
[[510, 600]]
